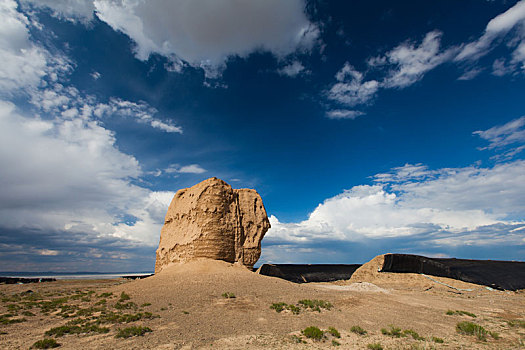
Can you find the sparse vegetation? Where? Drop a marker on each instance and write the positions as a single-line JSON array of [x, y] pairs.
[[516, 323], [297, 339], [112, 317], [6, 319], [307, 304], [134, 331], [105, 295], [124, 297], [315, 304], [335, 342], [73, 328], [375, 346], [313, 332], [460, 313], [358, 330], [128, 305], [48, 343], [393, 332], [438, 340], [470, 328], [413, 334], [185, 312], [334, 332], [228, 295], [278, 307], [495, 335], [145, 304], [294, 309]]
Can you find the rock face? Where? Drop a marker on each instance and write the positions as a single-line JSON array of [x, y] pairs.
[[212, 220]]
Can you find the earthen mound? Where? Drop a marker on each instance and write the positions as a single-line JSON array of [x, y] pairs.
[[212, 220]]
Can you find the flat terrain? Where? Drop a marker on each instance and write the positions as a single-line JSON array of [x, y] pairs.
[[215, 305]]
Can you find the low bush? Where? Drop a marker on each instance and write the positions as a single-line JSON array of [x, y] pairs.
[[124, 297], [278, 306], [334, 332], [413, 334], [313, 332], [375, 346], [438, 340], [135, 331], [470, 328], [315, 304], [393, 332], [358, 330], [460, 313], [48, 343]]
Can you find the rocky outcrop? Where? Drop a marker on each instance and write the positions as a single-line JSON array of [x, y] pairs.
[[212, 220]]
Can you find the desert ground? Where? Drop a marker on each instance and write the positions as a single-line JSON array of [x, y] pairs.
[[216, 305]]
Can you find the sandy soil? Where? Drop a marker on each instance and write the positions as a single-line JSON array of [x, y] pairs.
[[194, 314]]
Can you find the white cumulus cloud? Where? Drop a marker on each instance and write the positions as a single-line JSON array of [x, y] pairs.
[[23, 63], [205, 33], [351, 89], [292, 70]]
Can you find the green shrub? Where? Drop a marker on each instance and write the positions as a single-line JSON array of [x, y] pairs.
[[335, 342], [228, 295], [74, 328], [128, 305], [48, 343], [413, 333], [315, 304], [393, 332], [460, 313], [334, 332], [124, 297], [105, 295], [358, 330], [313, 332], [294, 309], [278, 306], [470, 328], [112, 317], [145, 304], [375, 346], [438, 340], [6, 319], [134, 331]]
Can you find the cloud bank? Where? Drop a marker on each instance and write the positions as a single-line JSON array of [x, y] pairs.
[[443, 211], [203, 33]]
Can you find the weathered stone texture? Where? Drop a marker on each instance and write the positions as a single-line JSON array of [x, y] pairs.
[[212, 220]]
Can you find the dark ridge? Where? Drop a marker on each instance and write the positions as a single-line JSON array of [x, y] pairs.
[[15, 280], [502, 275], [304, 273], [138, 277]]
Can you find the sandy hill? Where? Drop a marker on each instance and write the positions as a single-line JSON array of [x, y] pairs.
[[194, 314]]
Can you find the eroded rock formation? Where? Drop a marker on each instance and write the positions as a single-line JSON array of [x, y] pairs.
[[212, 220]]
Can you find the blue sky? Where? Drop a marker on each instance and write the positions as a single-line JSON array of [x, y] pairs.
[[367, 126]]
